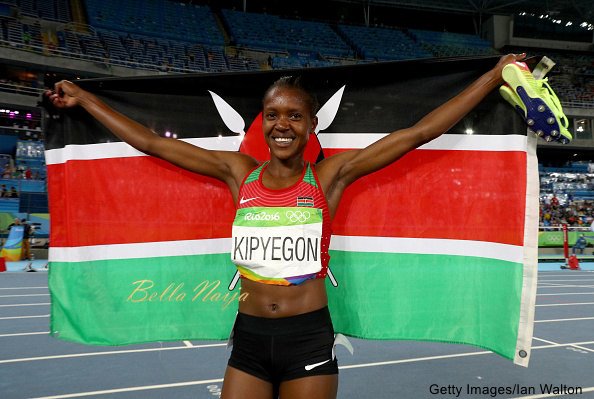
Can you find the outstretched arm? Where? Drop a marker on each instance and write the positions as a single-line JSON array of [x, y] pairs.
[[229, 167], [338, 171]]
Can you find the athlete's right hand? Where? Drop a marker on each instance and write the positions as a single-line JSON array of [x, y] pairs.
[[65, 94]]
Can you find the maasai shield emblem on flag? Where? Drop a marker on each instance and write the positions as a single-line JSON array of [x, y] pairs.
[[439, 246]]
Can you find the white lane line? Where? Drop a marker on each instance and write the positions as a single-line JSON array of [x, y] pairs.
[[565, 304], [132, 389], [546, 341], [552, 395], [565, 281], [188, 344], [557, 320], [73, 355], [582, 348], [561, 345], [23, 334], [24, 304], [418, 359], [22, 295], [567, 293], [547, 284], [24, 317], [23, 288], [541, 286]]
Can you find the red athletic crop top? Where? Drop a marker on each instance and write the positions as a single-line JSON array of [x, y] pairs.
[[281, 237]]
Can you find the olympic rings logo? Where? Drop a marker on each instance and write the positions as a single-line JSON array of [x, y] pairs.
[[297, 216]]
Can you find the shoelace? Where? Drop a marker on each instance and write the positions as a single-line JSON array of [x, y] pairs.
[[545, 90]]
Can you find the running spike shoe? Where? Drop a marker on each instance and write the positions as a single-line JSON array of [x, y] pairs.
[[516, 102], [536, 101]]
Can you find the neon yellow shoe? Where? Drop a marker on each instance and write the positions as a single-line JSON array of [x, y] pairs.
[[536, 101], [512, 98]]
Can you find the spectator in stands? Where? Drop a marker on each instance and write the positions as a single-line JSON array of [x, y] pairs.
[[3, 191], [20, 171], [8, 172], [28, 173], [26, 35], [13, 192], [580, 245], [273, 308]]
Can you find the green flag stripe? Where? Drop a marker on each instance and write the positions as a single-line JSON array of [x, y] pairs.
[[142, 300], [472, 300]]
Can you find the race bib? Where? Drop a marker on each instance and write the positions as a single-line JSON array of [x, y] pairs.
[[278, 242]]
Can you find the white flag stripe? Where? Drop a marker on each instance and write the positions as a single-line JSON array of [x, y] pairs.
[[480, 249], [139, 250], [86, 152], [431, 246], [460, 142]]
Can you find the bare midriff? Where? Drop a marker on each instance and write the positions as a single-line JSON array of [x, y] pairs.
[[274, 301]]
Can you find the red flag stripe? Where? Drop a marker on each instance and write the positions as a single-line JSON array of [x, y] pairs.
[[103, 207], [465, 195]]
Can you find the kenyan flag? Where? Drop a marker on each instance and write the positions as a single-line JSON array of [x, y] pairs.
[[439, 246]]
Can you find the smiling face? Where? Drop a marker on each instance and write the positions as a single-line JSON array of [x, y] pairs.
[[287, 122]]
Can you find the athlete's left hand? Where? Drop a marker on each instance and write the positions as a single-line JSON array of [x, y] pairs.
[[507, 59]]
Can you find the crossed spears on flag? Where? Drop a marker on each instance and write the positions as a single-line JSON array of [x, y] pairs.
[[234, 122]]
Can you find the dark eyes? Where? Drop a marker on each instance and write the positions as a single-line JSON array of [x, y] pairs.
[[294, 116]]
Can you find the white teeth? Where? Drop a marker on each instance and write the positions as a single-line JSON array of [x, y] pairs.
[[283, 139]]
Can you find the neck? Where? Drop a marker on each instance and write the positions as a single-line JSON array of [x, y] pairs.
[[285, 167]]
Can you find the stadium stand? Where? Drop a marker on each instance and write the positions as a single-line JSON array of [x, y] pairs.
[[57, 10], [573, 80], [165, 19], [567, 194], [164, 36], [375, 43], [284, 35], [446, 44]]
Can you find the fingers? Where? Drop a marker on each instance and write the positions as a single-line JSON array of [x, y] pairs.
[[508, 59], [63, 94], [518, 57], [53, 97]]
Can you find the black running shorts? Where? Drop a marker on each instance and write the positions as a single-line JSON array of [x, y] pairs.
[[277, 350]]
